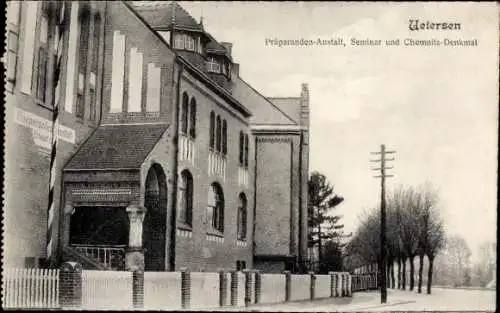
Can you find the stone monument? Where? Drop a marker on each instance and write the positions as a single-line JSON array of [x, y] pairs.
[[134, 257]]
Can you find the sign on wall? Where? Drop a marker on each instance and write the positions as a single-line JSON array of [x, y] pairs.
[[42, 128]]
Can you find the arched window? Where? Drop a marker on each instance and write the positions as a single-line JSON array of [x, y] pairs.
[[192, 118], [218, 135], [242, 141], [246, 151], [242, 216], [215, 208], [212, 130], [186, 198], [184, 115], [224, 137]]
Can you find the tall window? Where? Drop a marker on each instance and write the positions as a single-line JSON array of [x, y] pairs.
[[94, 67], [241, 148], [213, 65], [215, 208], [246, 151], [218, 134], [224, 137], [82, 62], [43, 53], [179, 41], [242, 217], [212, 130], [13, 16], [186, 198], [184, 116], [189, 43], [192, 118]]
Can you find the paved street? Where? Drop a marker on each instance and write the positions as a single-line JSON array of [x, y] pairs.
[[440, 299]]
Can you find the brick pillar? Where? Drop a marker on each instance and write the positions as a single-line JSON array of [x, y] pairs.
[[258, 286], [222, 287], [70, 285], [248, 287], [332, 284], [185, 288], [288, 285], [234, 288], [312, 285], [138, 289]]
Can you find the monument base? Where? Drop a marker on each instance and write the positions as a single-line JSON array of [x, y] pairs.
[[134, 260]]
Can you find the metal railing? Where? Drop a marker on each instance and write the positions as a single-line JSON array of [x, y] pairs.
[[112, 257]]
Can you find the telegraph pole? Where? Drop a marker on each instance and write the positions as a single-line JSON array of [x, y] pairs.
[[383, 259]]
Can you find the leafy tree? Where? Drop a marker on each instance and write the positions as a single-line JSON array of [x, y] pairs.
[[322, 225]]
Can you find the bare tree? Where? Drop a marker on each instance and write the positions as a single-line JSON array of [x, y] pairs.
[[431, 233]]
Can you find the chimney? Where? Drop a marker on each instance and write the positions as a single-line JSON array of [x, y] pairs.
[[236, 69], [228, 46]]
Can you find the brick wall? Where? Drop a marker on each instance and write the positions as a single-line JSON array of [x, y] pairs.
[[193, 250]]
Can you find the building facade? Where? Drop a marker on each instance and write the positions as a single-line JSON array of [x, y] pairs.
[[151, 111]]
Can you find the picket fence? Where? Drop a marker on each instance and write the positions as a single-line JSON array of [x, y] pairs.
[[30, 288], [40, 288]]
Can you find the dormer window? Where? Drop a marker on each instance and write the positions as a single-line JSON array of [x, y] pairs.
[[179, 41], [213, 65], [189, 43]]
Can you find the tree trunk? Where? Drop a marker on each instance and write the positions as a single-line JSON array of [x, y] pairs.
[[387, 280], [404, 275], [429, 274], [399, 272], [393, 284], [412, 272], [420, 271]]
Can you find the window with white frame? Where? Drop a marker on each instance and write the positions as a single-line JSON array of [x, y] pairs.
[[179, 41], [213, 65], [189, 43]]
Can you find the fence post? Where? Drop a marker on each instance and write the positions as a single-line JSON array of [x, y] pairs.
[[288, 285], [70, 285], [332, 284], [222, 287], [349, 285], [248, 287], [185, 288], [234, 288], [312, 285], [258, 286], [138, 289]]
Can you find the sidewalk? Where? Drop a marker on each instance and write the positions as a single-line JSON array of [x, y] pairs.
[[360, 301]]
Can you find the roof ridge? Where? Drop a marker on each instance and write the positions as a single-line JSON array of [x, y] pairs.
[[267, 100]]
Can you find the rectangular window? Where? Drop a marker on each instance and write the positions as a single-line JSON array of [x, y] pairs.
[[154, 91], [213, 66], [189, 43], [179, 42], [29, 46], [135, 81], [82, 64], [94, 68], [71, 65], [118, 72]]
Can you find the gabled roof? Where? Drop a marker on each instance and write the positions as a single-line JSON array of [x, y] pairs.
[[264, 112], [161, 16], [289, 105], [117, 147]]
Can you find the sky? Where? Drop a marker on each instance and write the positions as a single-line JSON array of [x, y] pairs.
[[437, 107]]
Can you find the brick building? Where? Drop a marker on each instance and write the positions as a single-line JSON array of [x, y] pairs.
[[152, 111]]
